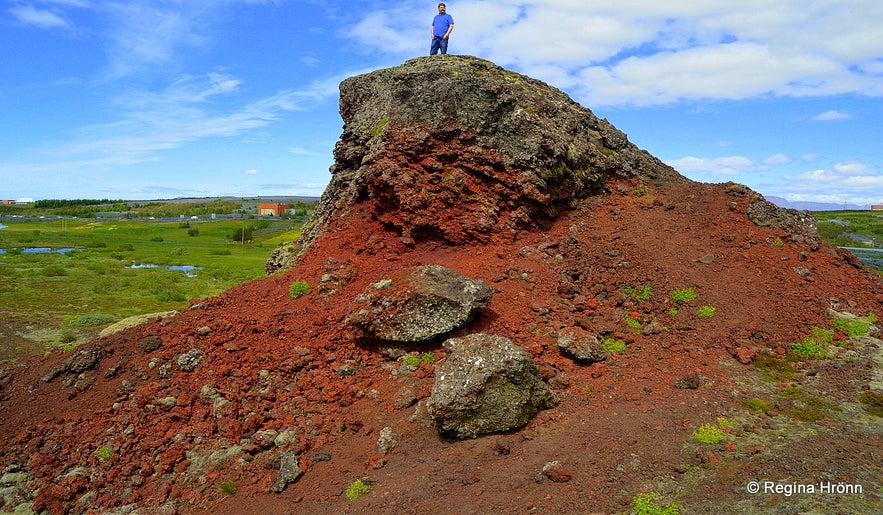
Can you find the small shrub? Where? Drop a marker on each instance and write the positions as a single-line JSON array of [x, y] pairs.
[[684, 295], [125, 247], [873, 402], [54, 271], [104, 453], [778, 243], [156, 239], [171, 296], [67, 336], [193, 232], [415, 361], [807, 413], [612, 345], [640, 293], [222, 252], [852, 327], [644, 504], [228, 488], [757, 405], [299, 289], [631, 322], [673, 312], [814, 346], [640, 191], [709, 434], [357, 489], [706, 311]]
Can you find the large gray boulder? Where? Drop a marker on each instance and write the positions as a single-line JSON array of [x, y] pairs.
[[486, 384], [425, 303]]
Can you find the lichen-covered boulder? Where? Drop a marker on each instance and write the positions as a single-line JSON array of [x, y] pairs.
[[423, 304], [486, 384]]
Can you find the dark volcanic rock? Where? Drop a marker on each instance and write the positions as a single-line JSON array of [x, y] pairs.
[[428, 302], [486, 384], [458, 148], [80, 361]]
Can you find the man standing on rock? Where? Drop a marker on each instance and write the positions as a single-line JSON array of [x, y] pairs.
[[442, 25]]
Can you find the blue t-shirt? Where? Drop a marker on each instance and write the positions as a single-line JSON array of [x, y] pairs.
[[440, 24]]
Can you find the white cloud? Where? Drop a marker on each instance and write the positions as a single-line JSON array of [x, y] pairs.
[[828, 116], [250, 172], [777, 160], [644, 52], [854, 169], [718, 166], [27, 14], [150, 122], [303, 151], [851, 181]]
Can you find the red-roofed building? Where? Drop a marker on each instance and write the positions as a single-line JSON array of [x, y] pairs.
[[272, 209]]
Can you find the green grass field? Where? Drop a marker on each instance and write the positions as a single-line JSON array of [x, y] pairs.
[[851, 228], [50, 291]]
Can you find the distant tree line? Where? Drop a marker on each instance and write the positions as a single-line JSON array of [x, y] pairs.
[[59, 203]]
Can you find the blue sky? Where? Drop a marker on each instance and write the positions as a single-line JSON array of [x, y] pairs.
[[161, 99]]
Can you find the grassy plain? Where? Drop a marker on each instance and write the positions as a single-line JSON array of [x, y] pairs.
[[45, 295], [858, 230]]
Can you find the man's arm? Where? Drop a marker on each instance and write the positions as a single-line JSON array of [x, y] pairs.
[[450, 29]]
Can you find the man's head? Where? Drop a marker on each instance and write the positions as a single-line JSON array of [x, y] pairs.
[[441, 8]]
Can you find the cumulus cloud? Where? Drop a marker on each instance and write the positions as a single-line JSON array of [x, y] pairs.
[[777, 159], [718, 166], [644, 52], [850, 180], [251, 172]]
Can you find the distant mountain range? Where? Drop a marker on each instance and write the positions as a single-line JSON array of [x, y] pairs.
[[815, 206]]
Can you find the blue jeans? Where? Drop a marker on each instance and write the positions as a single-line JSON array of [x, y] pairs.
[[438, 43]]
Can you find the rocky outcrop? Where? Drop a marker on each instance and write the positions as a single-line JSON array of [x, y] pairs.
[[458, 149], [486, 384], [427, 302]]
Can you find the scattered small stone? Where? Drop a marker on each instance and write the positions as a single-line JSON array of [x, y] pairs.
[[150, 343], [284, 438], [165, 371], [322, 456], [289, 471], [346, 371], [801, 271], [502, 447], [707, 259], [580, 346], [688, 382], [557, 472], [265, 438], [189, 360], [387, 440], [204, 330]]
